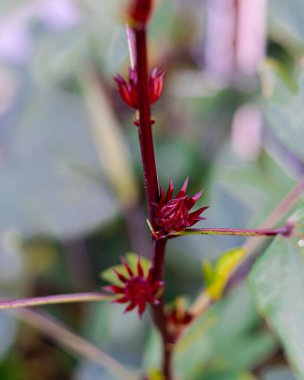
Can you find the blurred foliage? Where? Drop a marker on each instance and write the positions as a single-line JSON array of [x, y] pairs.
[[227, 339], [282, 265], [62, 218]]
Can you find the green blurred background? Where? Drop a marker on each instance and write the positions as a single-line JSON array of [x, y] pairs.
[[71, 189]]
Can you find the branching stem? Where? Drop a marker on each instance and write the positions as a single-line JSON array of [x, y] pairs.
[[138, 41]]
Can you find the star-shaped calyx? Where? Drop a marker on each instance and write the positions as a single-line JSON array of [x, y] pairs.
[[136, 288], [173, 213]]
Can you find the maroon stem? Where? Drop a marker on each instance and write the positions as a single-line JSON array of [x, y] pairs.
[[158, 257], [159, 247], [144, 128], [151, 185]]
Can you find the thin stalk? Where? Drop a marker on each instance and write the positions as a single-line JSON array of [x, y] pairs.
[[144, 127], [284, 231], [159, 247], [138, 48], [52, 300]]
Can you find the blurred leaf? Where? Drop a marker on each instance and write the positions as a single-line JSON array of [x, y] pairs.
[[278, 374], [152, 354], [8, 330], [284, 109], [7, 7], [40, 190], [184, 156], [12, 261], [105, 326], [90, 371], [277, 282], [263, 182], [223, 339], [41, 256], [288, 18], [108, 44], [61, 55], [109, 140]]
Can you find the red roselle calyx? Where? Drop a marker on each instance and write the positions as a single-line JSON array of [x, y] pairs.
[[139, 12], [172, 214], [137, 289], [128, 90]]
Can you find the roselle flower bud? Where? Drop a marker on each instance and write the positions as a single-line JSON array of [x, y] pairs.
[[172, 214], [139, 12], [137, 289], [128, 90], [178, 318]]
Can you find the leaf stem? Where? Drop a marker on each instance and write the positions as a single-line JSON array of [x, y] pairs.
[[51, 300], [284, 231]]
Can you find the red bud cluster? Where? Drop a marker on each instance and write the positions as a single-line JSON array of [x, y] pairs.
[[177, 319], [172, 213], [139, 11], [136, 289], [128, 90]]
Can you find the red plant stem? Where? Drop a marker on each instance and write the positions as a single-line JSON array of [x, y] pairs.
[[159, 247], [158, 257], [144, 128], [151, 184]]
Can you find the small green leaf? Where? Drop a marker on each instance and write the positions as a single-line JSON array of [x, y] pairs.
[[155, 374], [209, 273], [217, 277]]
